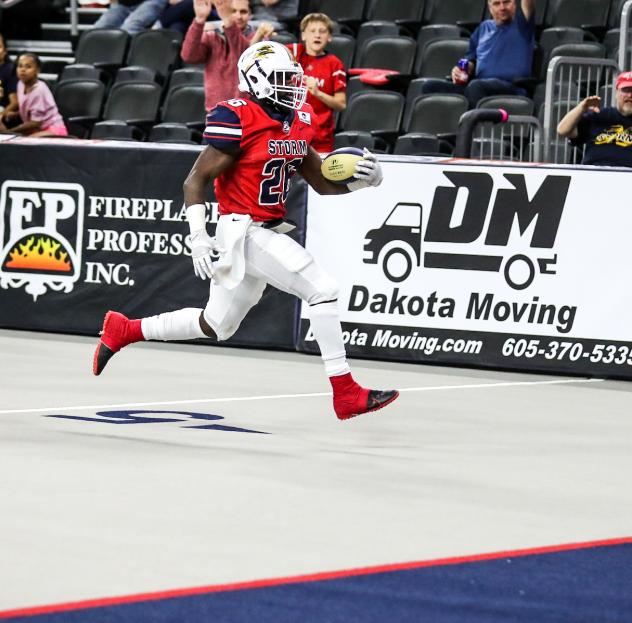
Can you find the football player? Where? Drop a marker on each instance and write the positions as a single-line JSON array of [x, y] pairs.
[[254, 147]]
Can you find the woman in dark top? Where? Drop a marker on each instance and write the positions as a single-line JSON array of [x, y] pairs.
[[8, 88]]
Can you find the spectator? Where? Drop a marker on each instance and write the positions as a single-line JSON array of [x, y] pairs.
[[8, 87], [606, 133], [132, 16], [276, 12], [177, 15], [500, 51], [219, 51], [325, 76], [38, 111]]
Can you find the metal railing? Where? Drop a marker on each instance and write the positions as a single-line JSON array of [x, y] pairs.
[[519, 139], [568, 81], [625, 44]]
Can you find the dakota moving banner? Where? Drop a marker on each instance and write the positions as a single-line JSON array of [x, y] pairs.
[[500, 266], [86, 227]]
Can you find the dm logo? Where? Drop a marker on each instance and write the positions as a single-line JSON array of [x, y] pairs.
[[41, 227], [400, 244]]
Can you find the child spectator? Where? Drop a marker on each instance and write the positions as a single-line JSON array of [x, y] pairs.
[[38, 111], [325, 76], [8, 86]]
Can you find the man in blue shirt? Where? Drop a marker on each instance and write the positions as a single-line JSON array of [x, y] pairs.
[[607, 133], [500, 51]]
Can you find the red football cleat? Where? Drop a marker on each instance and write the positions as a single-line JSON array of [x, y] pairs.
[[118, 331], [351, 399]]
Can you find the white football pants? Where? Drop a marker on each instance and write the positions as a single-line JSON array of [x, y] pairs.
[[274, 259]]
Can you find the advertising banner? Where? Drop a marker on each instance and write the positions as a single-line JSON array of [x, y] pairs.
[[498, 266], [87, 227]]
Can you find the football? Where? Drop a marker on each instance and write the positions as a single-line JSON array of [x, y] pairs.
[[339, 165]]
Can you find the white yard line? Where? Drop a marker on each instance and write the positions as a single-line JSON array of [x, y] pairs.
[[285, 396]]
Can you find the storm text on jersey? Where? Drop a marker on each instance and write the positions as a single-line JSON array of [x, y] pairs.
[[287, 148]]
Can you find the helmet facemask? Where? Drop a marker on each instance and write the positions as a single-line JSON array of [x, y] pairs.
[[269, 73]]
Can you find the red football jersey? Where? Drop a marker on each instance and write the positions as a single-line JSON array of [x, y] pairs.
[[272, 148], [332, 78]]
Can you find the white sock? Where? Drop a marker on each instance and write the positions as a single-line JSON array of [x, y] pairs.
[[328, 333], [183, 324]]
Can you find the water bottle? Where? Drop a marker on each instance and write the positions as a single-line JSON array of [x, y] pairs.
[[462, 76]]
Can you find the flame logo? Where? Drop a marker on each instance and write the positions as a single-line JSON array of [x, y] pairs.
[[39, 254]]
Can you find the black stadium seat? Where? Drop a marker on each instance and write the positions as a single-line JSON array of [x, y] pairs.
[[437, 113], [342, 46], [134, 73], [156, 49], [377, 112], [407, 13], [186, 76], [171, 133], [185, 105], [468, 13], [80, 71], [115, 130], [135, 103], [396, 53], [513, 104], [80, 103], [439, 56], [370, 30], [583, 50], [344, 11], [102, 47], [587, 14]]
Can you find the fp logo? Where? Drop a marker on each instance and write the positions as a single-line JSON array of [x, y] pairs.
[[41, 228]]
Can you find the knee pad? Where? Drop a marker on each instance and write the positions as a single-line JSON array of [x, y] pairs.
[[224, 330], [325, 290]]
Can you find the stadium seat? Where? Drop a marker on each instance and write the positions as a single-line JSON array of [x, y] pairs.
[[359, 139], [436, 31], [467, 13], [420, 144], [396, 53], [80, 103], [80, 71], [408, 13], [614, 18], [579, 50], [377, 112], [342, 46], [186, 76], [437, 113], [355, 85], [552, 37], [439, 56], [156, 49], [171, 133], [115, 130], [135, 103], [102, 47], [185, 105], [587, 14], [370, 30], [513, 104], [346, 11], [134, 73]]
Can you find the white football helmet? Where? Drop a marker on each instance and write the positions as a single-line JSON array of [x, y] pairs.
[[268, 71]]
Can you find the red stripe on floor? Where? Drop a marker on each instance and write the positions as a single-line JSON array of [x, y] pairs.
[[314, 577]]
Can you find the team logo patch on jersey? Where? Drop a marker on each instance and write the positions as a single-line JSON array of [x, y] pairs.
[[286, 127], [305, 117]]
